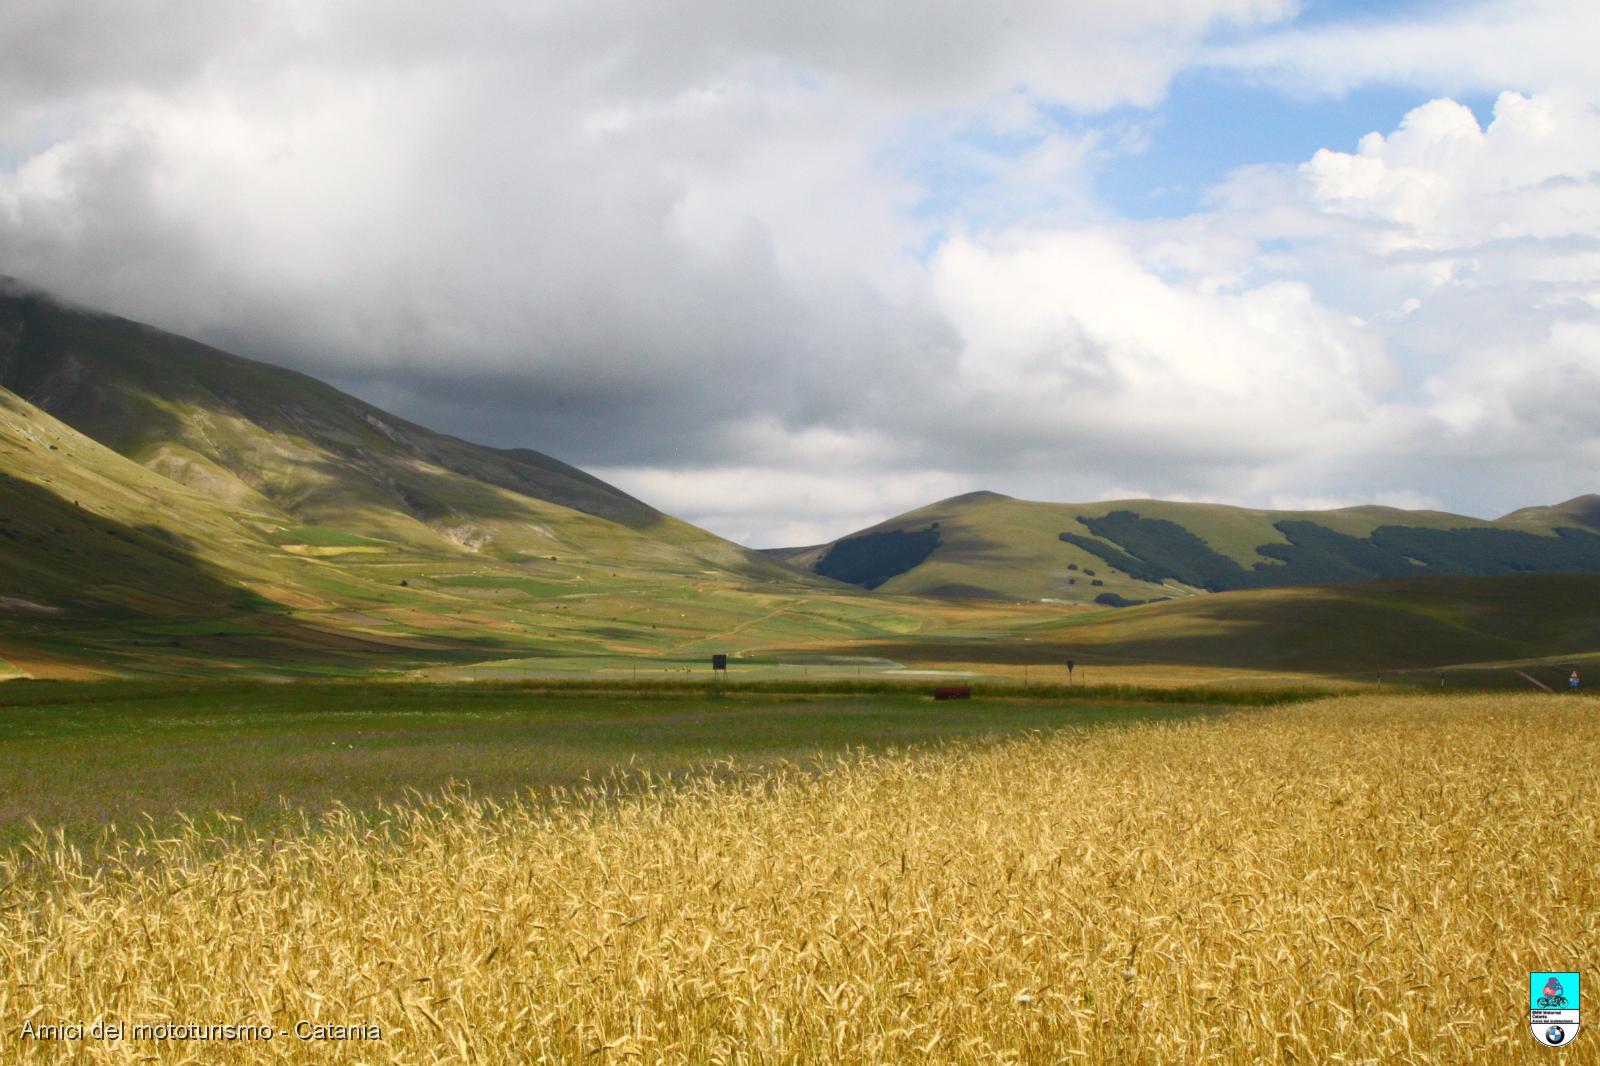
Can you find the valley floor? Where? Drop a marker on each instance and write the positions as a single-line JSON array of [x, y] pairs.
[[82, 755]]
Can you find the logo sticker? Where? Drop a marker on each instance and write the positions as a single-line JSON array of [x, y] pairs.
[[1553, 1006]]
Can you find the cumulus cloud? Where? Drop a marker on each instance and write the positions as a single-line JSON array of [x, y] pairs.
[[1475, 250], [785, 270], [1107, 351]]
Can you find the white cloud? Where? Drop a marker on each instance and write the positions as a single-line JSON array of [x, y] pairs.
[[1079, 341], [789, 269], [1475, 251], [778, 504], [1441, 180], [1422, 329]]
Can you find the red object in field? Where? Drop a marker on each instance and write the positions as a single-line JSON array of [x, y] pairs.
[[953, 692]]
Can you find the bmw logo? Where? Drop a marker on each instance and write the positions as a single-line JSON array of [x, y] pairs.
[[1554, 1035]]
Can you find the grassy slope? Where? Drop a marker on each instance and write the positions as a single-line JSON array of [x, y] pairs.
[[111, 568], [190, 511], [280, 443], [1361, 628], [86, 530], [1581, 512], [1010, 548]]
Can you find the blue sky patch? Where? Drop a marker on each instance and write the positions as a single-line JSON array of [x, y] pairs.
[[1211, 124]]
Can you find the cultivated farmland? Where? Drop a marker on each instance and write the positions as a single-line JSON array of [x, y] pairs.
[[1360, 879]]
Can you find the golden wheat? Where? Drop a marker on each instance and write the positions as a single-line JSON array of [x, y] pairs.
[[1361, 879]]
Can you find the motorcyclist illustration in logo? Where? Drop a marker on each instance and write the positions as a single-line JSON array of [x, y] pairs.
[[1553, 1006]]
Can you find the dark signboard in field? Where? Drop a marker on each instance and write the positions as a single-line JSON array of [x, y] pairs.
[[719, 662], [953, 692]]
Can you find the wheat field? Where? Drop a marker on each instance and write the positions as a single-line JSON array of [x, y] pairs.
[[1360, 879]]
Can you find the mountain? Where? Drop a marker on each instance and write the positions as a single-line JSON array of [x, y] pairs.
[[168, 507], [281, 443], [1120, 553]]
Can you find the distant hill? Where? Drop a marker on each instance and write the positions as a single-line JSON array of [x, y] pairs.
[[1582, 512], [1125, 552]]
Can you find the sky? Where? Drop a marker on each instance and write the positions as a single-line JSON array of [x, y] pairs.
[[786, 270]]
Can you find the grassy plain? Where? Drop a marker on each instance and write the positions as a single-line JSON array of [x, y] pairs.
[[83, 755], [1359, 879]]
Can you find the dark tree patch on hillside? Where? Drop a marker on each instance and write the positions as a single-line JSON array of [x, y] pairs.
[[873, 558], [1317, 555], [1134, 568], [1156, 550], [1494, 551], [1164, 548]]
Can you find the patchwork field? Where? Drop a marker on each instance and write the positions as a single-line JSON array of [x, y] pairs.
[[1357, 879]]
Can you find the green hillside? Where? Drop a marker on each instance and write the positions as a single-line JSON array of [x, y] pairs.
[[281, 444], [166, 508], [1582, 512], [1125, 552], [87, 533], [108, 568]]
